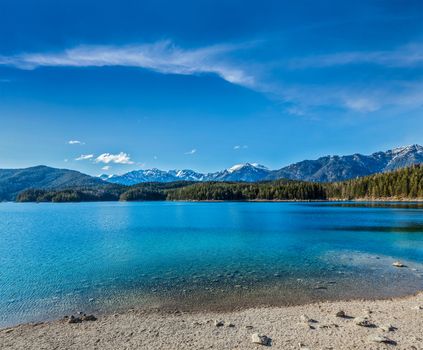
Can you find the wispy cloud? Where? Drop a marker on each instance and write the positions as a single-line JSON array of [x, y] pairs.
[[120, 158], [163, 57], [405, 56], [225, 61], [193, 151], [76, 142], [85, 157], [106, 167], [238, 147]]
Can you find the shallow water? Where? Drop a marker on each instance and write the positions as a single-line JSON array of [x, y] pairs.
[[57, 259]]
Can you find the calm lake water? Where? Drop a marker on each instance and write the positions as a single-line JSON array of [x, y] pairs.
[[57, 259]]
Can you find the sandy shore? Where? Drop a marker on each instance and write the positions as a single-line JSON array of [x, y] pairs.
[[313, 326]]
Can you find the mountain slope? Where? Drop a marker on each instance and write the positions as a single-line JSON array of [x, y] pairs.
[[338, 168], [13, 181]]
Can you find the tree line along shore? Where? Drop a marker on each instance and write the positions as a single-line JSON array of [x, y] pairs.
[[402, 184]]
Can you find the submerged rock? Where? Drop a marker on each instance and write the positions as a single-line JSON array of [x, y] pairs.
[[260, 339], [398, 264]]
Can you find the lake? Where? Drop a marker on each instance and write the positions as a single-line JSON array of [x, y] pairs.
[[57, 259]]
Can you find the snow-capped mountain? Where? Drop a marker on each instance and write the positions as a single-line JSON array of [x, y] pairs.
[[324, 169], [187, 175], [154, 175], [248, 172], [404, 156], [338, 168], [240, 172]]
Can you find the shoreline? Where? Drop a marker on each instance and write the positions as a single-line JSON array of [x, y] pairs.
[[315, 325], [335, 200]]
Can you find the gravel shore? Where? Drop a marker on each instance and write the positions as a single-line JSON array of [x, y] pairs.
[[380, 324]]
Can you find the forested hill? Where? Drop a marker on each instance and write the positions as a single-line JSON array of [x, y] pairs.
[[406, 183], [13, 181]]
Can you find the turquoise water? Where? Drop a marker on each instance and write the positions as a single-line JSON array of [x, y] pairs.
[[57, 259]]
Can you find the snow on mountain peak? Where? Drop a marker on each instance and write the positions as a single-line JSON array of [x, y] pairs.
[[259, 166], [237, 167], [406, 149]]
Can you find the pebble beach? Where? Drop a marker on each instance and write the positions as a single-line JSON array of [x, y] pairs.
[[358, 324]]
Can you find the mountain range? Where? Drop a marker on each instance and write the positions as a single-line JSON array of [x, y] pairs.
[[324, 169]]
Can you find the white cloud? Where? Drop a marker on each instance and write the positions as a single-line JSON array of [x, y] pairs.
[[120, 158], [193, 151], [362, 104], [76, 142], [162, 56], [238, 147], [296, 110], [225, 61], [405, 56], [85, 157], [106, 167]]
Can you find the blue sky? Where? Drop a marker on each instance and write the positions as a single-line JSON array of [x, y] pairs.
[[112, 86]]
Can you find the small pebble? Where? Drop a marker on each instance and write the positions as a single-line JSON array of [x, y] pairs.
[[303, 347], [387, 328], [381, 339], [306, 319], [341, 313], [260, 339], [363, 322]]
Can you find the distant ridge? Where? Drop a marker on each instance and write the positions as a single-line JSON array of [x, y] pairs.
[[324, 169]]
